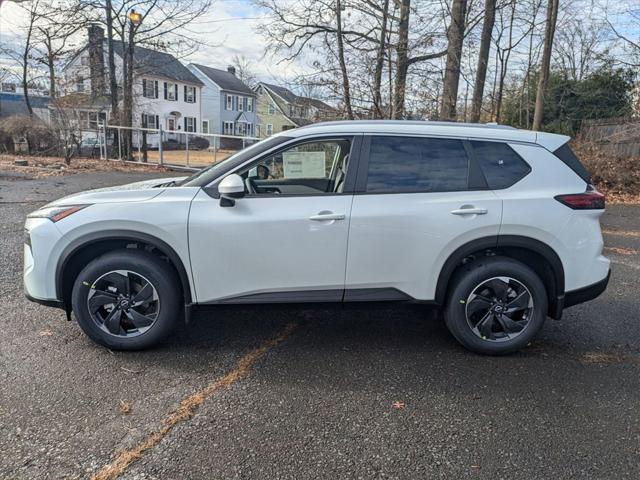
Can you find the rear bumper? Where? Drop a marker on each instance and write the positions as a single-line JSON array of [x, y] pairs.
[[584, 294]]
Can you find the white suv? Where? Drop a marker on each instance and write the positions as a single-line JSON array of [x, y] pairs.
[[499, 226]]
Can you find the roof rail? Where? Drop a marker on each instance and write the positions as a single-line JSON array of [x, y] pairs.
[[413, 122]]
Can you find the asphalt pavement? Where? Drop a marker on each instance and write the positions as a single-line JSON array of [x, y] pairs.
[[299, 393]]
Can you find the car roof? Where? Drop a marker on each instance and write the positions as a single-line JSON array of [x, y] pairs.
[[479, 131]]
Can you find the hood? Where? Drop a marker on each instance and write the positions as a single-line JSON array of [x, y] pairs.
[[131, 192]]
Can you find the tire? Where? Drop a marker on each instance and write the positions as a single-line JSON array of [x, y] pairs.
[[136, 298], [492, 316]]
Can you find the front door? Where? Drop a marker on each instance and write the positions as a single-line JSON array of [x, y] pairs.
[[286, 240]]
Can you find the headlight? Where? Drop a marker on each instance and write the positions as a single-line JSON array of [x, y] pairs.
[[57, 213]]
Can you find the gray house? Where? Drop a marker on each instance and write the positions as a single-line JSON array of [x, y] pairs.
[[228, 104]]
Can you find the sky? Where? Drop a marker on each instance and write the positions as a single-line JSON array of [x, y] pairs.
[[230, 28]]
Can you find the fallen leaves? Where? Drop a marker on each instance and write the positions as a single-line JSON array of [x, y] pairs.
[[125, 407]]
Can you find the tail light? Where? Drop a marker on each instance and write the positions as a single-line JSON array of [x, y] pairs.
[[589, 200]]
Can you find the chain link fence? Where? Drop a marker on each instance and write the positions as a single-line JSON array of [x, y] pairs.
[[172, 148]]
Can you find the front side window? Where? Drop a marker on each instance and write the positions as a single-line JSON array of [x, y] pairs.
[[229, 102], [304, 169], [416, 164], [205, 126], [269, 129], [249, 104], [227, 128], [241, 104], [502, 167], [271, 109]]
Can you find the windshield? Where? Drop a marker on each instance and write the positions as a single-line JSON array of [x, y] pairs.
[[210, 173]]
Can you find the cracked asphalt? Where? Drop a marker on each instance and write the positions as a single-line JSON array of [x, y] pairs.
[[320, 404]]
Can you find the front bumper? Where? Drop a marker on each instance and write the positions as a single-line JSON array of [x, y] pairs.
[[43, 242], [584, 294]]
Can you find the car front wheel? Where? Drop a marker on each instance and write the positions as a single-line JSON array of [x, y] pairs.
[[496, 306], [127, 299]]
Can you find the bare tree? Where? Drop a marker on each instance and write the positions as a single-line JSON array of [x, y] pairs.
[[550, 28], [483, 59], [455, 35]]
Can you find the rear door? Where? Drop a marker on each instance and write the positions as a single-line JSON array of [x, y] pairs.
[[417, 200]]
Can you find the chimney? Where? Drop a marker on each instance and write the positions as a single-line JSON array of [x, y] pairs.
[[231, 70], [96, 59]]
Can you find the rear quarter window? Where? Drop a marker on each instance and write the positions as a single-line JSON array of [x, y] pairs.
[[501, 165], [570, 159]]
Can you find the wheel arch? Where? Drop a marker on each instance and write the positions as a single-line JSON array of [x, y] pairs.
[[97, 243], [533, 253]]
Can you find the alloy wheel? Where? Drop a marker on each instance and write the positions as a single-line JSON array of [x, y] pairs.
[[123, 303], [499, 309]]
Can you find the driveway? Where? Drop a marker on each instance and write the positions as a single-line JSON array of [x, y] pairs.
[[357, 392]]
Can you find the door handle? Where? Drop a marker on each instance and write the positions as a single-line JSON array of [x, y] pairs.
[[323, 217], [469, 211]]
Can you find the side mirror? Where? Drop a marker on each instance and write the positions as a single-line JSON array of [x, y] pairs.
[[230, 188]]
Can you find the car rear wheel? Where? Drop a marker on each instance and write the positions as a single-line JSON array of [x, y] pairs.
[[496, 306], [127, 299]]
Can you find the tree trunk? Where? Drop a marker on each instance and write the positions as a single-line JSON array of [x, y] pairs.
[[377, 75], [483, 59], [113, 82], [25, 66], [549, 32], [127, 107], [343, 66], [402, 62], [455, 34]]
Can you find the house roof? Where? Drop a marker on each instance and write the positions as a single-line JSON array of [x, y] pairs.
[[224, 79], [14, 104], [290, 97], [161, 64]]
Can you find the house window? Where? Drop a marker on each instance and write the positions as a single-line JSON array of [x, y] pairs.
[[227, 128], [149, 121], [171, 123], [79, 84], [171, 91], [249, 104], [241, 104], [271, 109], [189, 124], [91, 120], [149, 88], [9, 87], [189, 94], [241, 128], [269, 129], [229, 102], [84, 61], [205, 126]]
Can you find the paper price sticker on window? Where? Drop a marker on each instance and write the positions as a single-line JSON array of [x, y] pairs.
[[303, 164]]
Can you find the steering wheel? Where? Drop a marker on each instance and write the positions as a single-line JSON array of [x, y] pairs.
[[251, 186]]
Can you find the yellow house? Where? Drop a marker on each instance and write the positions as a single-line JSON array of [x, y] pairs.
[[279, 109]]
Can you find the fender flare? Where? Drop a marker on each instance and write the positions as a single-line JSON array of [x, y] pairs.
[[126, 235], [504, 241]]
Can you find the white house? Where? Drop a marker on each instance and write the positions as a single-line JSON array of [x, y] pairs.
[[165, 93], [228, 104]]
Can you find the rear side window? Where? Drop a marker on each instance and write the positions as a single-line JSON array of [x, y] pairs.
[[565, 154], [502, 167], [410, 164]]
